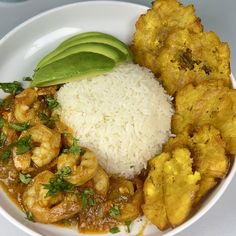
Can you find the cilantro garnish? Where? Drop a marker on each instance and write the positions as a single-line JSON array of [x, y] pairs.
[[128, 223], [12, 88], [114, 230], [29, 216], [23, 145], [25, 179], [87, 198], [19, 126], [114, 211], [74, 148], [52, 103], [27, 78], [58, 184]]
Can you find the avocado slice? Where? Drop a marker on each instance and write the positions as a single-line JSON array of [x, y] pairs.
[[89, 37], [74, 67], [99, 48]]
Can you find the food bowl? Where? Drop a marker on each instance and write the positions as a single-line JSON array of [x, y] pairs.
[[25, 45]]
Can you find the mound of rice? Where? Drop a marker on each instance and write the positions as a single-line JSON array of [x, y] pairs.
[[123, 116]]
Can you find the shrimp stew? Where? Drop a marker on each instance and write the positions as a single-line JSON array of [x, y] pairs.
[[51, 177]]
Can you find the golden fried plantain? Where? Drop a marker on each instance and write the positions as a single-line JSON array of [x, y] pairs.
[[154, 27], [180, 186], [208, 150], [228, 128], [206, 184], [153, 207], [181, 140], [209, 102], [191, 58]]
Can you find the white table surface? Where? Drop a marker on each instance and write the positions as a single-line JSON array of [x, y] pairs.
[[217, 15]]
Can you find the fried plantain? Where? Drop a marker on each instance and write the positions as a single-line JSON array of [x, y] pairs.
[[154, 27], [192, 58], [206, 184], [182, 140], [207, 103], [153, 207], [208, 150], [228, 128], [180, 186]]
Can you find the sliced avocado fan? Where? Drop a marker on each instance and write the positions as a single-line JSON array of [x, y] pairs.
[[79, 57], [74, 67], [83, 38], [100, 48]]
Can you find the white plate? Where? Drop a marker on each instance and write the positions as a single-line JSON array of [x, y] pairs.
[[26, 44]]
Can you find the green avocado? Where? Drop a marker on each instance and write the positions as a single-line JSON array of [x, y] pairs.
[[74, 67], [88, 37], [100, 48]]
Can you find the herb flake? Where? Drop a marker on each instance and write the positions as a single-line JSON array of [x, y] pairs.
[[114, 211], [74, 148], [23, 145], [29, 216], [19, 126], [87, 198], [27, 78], [52, 103], [114, 230], [58, 184], [12, 88], [127, 224], [25, 179]]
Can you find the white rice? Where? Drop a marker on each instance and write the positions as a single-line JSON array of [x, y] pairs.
[[123, 116]]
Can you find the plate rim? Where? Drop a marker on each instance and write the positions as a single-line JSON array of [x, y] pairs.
[[172, 232], [33, 18]]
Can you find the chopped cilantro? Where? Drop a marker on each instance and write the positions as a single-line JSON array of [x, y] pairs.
[[114, 211], [74, 148], [114, 230], [29, 216], [25, 179], [87, 198], [19, 126], [23, 145], [12, 88], [52, 103], [128, 223], [58, 184], [67, 222], [27, 78]]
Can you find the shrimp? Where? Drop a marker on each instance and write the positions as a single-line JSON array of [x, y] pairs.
[[81, 173], [133, 191], [101, 181], [46, 147], [132, 209], [26, 106], [49, 209]]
